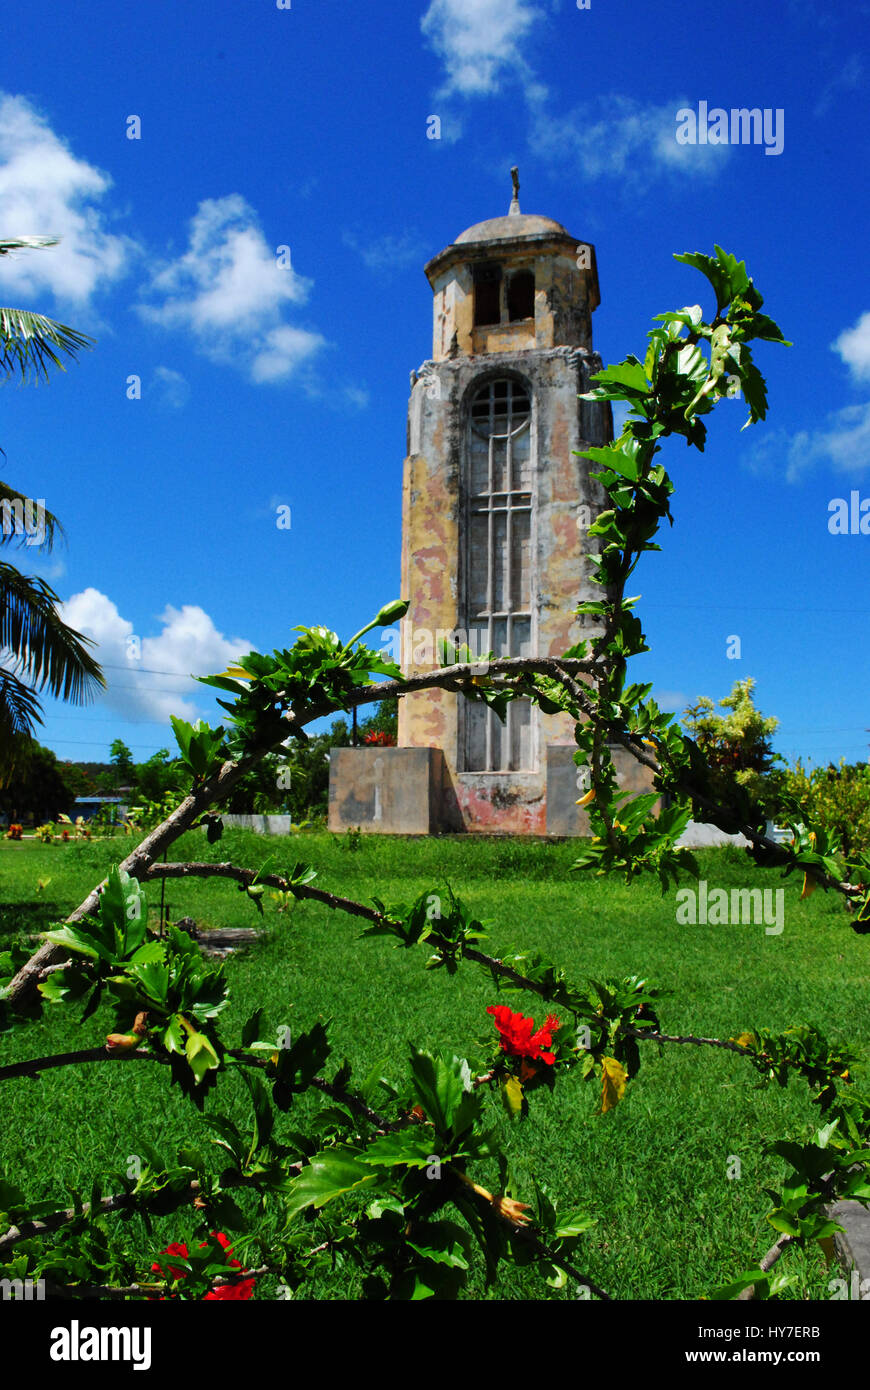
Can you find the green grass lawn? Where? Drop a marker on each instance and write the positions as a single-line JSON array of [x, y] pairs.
[[671, 1224]]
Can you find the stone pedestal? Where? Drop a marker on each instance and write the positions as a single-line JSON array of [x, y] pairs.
[[564, 816], [387, 791]]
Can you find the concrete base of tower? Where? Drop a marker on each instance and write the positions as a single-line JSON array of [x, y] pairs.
[[387, 791], [412, 791]]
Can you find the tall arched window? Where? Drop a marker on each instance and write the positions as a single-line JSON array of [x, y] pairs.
[[498, 552]]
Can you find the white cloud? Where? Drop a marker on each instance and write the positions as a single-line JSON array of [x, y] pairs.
[[356, 396], [45, 190], [847, 79], [843, 441], [171, 388], [230, 289], [483, 46], [389, 252], [617, 136], [480, 43], [188, 642], [675, 701], [853, 345], [843, 444], [281, 351]]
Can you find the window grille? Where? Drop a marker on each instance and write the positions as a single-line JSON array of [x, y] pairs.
[[498, 597]]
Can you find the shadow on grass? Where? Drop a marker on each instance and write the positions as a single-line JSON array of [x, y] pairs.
[[17, 919]]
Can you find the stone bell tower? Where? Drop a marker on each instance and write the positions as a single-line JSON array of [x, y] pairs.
[[496, 507]]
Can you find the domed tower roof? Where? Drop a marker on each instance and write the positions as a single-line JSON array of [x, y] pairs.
[[515, 224], [513, 283], [516, 227]]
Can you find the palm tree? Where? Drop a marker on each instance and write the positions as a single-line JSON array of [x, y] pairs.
[[37, 650]]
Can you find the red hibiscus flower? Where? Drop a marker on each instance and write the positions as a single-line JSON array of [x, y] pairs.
[[242, 1289], [517, 1036], [176, 1248]]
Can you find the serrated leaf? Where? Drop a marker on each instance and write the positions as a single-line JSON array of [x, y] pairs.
[[328, 1175], [200, 1055], [441, 1084]]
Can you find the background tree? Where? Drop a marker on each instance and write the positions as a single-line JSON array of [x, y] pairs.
[[737, 744], [384, 720], [122, 761], [159, 774], [295, 782], [77, 780], [37, 650], [36, 789], [837, 798]]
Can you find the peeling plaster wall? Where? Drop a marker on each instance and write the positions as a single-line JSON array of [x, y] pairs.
[[565, 295], [432, 562]]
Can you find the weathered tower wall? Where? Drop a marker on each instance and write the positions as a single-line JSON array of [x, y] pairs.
[[433, 504]]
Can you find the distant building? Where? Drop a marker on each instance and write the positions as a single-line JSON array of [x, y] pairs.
[[88, 806]]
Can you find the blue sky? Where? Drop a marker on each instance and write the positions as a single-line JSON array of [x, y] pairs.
[[306, 128]]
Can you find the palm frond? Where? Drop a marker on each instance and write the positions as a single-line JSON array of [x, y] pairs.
[[29, 342], [16, 511], [47, 653], [19, 711]]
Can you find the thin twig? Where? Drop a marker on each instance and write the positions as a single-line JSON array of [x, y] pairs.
[[766, 1264]]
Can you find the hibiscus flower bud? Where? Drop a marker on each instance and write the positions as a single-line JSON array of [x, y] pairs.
[[392, 611]]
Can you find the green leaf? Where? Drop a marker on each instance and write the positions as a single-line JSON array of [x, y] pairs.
[[81, 942], [622, 457], [230, 1139], [328, 1175], [298, 1064], [66, 985], [264, 1118], [442, 1242], [726, 1292], [573, 1224], [629, 376], [441, 1085], [174, 1036], [251, 1029], [726, 274], [402, 1148], [200, 1054]]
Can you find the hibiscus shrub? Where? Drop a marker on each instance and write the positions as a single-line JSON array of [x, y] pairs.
[[197, 1272], [384, 1177]]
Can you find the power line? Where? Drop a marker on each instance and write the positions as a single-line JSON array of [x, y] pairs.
[[131, 667], [751, 608], [96, 743], [822, 729], [102, 719]]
